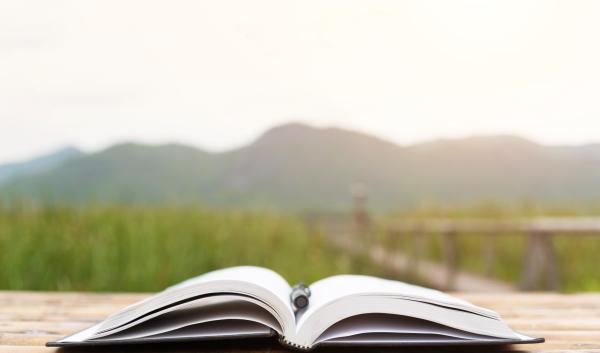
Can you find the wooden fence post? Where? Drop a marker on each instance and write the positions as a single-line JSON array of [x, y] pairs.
[[418, 242], [552, 275], [540, 269], [489, 254], [395, 238], [361, 216], [450, 258]]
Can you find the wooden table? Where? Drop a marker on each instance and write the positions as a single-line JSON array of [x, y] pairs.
[[29, 319]]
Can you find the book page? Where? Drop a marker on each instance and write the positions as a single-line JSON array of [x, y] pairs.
[[216, 329], [314, 323], [392, 324], [332, 288], [263, 277], [256, 282], [340, 297], [222, 308], [396, 338]]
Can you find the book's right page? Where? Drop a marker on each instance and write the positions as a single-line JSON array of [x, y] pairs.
[[361, 309], [332, 288]]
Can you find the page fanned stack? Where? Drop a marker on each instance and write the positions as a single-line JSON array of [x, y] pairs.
[[347, 310]]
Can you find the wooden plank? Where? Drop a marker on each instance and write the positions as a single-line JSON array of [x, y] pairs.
[[570, 322], [544, 225]]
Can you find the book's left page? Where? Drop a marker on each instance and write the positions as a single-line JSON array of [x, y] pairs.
[[233, 302]]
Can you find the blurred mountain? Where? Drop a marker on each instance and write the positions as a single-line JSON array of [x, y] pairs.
[[13, 171], [296, 166]]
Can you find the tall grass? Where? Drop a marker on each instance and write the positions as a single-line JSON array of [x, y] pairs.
[[136, 248], [117, 248]]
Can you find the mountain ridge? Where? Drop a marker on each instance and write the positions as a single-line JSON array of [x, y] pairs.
[[37, 164], [297, 166]]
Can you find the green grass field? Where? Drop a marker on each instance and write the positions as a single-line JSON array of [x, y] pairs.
[[134, 248], [149, 248]]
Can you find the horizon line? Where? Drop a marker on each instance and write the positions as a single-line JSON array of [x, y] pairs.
[[200, 147]]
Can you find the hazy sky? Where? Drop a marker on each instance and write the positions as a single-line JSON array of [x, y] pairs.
[[217, 73]]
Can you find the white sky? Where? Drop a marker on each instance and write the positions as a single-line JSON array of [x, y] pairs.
[[217, 73]]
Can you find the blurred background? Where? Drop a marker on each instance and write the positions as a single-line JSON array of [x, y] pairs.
[[450, 144]]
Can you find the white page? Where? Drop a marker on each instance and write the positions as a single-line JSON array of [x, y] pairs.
[[391, 338], [91, 333], [252, 274], [212, 309], [382, 323], [330, 289], [312, 325], [257, 282], [220, 329]]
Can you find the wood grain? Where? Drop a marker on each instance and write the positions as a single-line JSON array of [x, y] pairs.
[[569, 322]]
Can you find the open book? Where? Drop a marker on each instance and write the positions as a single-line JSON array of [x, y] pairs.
[[250, 302]]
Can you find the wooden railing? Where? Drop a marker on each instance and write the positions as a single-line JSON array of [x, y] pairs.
[[540, 267]]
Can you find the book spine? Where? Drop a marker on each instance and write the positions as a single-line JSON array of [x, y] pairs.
[[293, 345]]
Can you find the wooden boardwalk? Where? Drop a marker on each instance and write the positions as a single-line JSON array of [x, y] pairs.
[[570, 323], [540, 265], [436, 274], [432, 273]]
